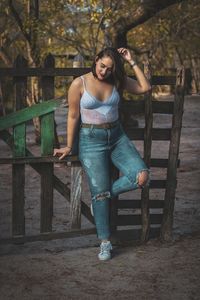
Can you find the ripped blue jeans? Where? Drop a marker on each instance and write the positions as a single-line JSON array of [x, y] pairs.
[[97, 149]]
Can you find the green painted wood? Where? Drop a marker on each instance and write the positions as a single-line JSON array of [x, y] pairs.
[[18, 182], [47, 134], [19, 150], [57, 183], [19, 134], [29, 113]]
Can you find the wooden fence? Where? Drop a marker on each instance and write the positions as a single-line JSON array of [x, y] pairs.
[[45, 163]]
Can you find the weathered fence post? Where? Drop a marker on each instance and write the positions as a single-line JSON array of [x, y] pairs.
[[47, 142], [76, 173], [75, 195], [167, 222], [18, 171], [147, 157]]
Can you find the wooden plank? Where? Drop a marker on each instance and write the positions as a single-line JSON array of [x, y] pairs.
[[85, 210], [47, 143], [147, 158], [43, 72], [162, 107], [75, 195], [157, 184], [161, 162], [155, 162], [137, 106], [126, 220], [18, 183], [48, 236], [46, 196], [158, 134], [61, 188], [120, 235], [29, 113], [133, 235], [38, 159], [166, 228], [57, 183], [75, 72], [19, 146], [163, 80], [135, 204]]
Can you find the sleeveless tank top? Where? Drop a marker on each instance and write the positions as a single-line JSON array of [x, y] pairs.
[[94, 111]]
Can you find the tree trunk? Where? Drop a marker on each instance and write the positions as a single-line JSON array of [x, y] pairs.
[[196, 73]]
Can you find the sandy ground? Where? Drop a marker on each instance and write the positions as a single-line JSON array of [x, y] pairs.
[[69, 268]]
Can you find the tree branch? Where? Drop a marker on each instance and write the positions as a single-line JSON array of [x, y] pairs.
[[138, 16], [19, 22], [6, 59]]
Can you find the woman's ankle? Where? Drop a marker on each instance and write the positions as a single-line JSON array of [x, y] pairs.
[[105, 241]]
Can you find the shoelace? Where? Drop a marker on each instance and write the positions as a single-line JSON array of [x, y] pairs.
[[105, 247]]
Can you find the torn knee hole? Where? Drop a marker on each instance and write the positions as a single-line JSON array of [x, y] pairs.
[[102, 196], [143, 179]]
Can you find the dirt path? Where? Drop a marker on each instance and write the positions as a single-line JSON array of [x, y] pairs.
[[54, 272], [69, 269]]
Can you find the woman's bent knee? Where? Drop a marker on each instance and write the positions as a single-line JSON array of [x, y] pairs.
[[143, 178]]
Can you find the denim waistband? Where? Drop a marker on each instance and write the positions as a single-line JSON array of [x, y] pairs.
[[101, 126]]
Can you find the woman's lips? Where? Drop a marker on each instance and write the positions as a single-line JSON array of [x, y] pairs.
[[102, 76]]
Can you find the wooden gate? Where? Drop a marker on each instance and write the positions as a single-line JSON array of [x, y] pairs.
[[44, 164]]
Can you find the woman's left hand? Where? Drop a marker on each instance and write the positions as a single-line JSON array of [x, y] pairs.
[[125, 53]]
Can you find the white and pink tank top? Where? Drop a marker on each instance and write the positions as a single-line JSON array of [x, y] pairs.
[[94, 111]]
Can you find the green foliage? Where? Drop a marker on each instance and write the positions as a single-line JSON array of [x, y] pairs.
[[170, 38], [83, 26]]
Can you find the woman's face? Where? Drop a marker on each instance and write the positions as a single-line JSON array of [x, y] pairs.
[[104, 67]]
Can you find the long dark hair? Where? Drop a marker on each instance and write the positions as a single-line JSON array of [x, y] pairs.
[[118, 74]]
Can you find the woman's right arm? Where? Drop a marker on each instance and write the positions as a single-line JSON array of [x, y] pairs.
[[74, 95]]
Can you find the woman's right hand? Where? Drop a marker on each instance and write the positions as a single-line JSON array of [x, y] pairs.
[[62, 152]]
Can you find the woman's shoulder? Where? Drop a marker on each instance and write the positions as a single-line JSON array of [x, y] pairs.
[[78, 82]]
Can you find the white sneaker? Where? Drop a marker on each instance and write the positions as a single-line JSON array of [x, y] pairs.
[[105, 251]]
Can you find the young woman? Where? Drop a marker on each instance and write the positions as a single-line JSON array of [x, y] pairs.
[[95, 97]]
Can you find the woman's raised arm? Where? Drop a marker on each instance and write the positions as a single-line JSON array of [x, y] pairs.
[[139, 86]]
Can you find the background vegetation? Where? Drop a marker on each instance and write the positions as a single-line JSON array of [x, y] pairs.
[[164, 32]]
